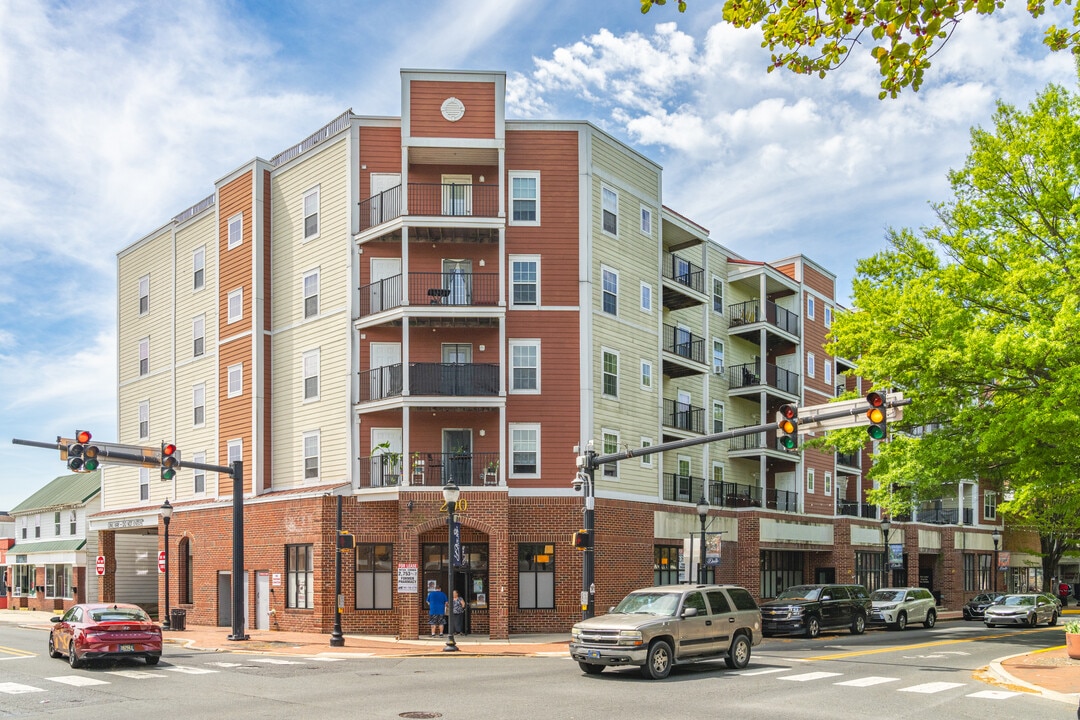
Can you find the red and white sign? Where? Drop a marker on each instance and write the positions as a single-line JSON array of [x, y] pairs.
[[100, 564], [161, 561]]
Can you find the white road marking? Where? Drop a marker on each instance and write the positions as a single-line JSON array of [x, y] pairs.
[[137, 674], [78, 680], [226, 664], [330, 659], [17, 689], [930, 688], [867, 681], [994, 694], [190, 670], [810, 676], [766, 671], [276, 661]]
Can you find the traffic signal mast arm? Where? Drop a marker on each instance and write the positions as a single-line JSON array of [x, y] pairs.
[[149, 457]]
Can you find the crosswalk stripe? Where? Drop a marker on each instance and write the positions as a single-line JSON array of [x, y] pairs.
[[137, 674], [276, 661], [10, 688], [994, 694], [326, 659], [188, 670], [766, 671], [930, 688], [78, 680], [867, 681], [810, 676]]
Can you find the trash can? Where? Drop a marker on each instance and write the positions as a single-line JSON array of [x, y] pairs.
[[178, 619]]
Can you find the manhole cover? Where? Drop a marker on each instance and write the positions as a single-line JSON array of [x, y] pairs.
[[420, 715]]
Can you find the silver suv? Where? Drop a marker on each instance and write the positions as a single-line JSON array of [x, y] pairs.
[[896, 607], [659, 627]]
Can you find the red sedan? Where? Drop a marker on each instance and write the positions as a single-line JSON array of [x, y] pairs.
[[105, 630]]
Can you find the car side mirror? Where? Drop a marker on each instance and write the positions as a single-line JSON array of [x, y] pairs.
[[826, 597], [55, 618], [689, 612]]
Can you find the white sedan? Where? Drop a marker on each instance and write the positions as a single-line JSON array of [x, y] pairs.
[[1028, 609]]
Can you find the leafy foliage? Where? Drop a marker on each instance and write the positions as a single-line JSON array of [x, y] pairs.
[[816, 36]]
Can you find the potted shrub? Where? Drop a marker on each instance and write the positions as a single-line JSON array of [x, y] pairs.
[[1072, 639], [390, 461], [417, 469], [491, 474]]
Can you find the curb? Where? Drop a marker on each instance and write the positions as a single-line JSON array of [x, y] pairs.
[[1008, 678]]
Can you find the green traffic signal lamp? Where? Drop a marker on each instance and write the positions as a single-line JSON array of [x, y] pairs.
[[170, 460], [787, 425], [876, 415]]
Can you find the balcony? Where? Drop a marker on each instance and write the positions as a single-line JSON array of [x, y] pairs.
[[851, 460], [852, 508], [749, 376], [944, 516], [454, 289], [754, 443], [683, 488], [684, 283], [688, 351], [747, 314], [683, 416], [431, 200], [447, 379], [430, 469]]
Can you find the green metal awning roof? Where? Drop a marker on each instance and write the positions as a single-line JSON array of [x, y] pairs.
[[47, 546], [65, 490]]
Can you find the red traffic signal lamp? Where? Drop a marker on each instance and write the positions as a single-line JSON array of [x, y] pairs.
[[876, 415], [787, 426], [81, 455], [170, 460], [581, 540]]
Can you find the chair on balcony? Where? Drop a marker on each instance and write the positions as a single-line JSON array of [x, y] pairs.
[[438, 295]]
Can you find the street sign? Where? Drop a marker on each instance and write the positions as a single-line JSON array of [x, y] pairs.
[[100, 565], [161, 561]]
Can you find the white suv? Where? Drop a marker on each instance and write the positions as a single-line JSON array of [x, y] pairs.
[[896, 607]]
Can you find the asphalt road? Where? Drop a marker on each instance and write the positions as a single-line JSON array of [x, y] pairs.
[[925, 674]]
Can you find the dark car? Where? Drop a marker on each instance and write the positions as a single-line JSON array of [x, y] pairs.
[[975, 608], [809, 609], [93, 631]]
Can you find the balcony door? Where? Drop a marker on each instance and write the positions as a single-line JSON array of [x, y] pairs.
[[457, 447], [384, 207], [457, 195], [385, 471], [457, 278], [683, 490], [682, 411], [384, 362], [385, 293]]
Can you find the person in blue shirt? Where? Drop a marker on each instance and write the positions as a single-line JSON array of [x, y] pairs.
[[436, 601]]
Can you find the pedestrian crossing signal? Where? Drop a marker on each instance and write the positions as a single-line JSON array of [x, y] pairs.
[[581, 540]]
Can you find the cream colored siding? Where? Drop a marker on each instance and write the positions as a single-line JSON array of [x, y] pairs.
[[328, 332]]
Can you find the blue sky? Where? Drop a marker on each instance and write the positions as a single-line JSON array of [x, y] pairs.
[[116, 115]]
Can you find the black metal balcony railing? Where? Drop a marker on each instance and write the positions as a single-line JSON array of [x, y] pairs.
[[747, 313], [783, 500], [684, 416], [431, 199], [734, 494], [849, 459], [452, 379], [749, 375], [684, 272], [684, 343], [453, 288], [380, 295], [856, 509], [430, 469], [944, 516], [683, 488], [757, 441]]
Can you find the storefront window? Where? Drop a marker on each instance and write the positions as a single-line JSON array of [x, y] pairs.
[[374, 567], [471, 580], [781, 569], [536, 576], [667, 562], [58, 581], [22, 581], [300, 576]]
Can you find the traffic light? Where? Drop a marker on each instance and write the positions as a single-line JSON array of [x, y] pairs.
[[170, 458], [787, 426], [81, 455], [876, 415], [581, 540]]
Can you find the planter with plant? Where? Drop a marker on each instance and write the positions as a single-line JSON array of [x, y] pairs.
[[491, 474], [1072, 639], [417, 468], [390, 462]]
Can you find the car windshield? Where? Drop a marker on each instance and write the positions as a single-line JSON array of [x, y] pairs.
[[888, 595], [118, 614], [649, 604], [800, 592], [1015, 600]]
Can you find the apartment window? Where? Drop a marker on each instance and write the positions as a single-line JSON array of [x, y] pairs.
[[525, 366], [198, 404], [526, 281], [311, 294], [809, 480], [717, 295], [810, 362], [646, 221], [718, 474], [609, 284], [717, 357], [311, 455], [37, 526], [199, 477], [610, 374], [311, 213], [299, 576], [827, 483], [236, 305], [646, 297], [311, 375], [990, 501], [610, 440], [666, 562], [236, 379], [828, 316], [23, 528], [827, 368], [144, 419], [647, 459], [525, 450], [144, 357], [235, 450], [646, 375], [236, 230], [198, 334], [717, 416], [524, 198], [73, 523], [536, 576], [198, 266], [610, 210], [144, 483], [809, 307], [144, 294], [56, 524], [374, 576]]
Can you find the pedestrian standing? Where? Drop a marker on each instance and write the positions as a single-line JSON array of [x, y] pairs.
[[436, 602], [1063, 593], [457, 614]]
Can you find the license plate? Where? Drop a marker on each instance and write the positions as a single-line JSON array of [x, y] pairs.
[[127, 648], [592, 653]]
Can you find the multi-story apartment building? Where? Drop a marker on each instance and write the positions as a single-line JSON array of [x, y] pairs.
[[395, 304]]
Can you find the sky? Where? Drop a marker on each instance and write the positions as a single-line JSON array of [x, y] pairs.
[[116, 115]]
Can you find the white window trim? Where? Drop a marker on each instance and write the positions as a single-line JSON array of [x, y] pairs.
[[304, 456], [712, 418], [304, 294], [144, 354], [827, 483], [652, 375], [510, 186], [230, 445], [238, 368], [197, 332], [615, 192], [990, 504], [524, 258], [524, 342], [614, 467], [304, 214], [194, 404], [144, 482], [810, 307], [197, 473], [712, 294], [828, 315], [646, 286], [647, 459], [645, 231], [723, 356], [316, 354], [618, 371], [239, 295], [810, 480], [613, 271], [539, 449], [144, 292], [195, 255], [239, 239], [811, 361], [827, 370], [144, 411]]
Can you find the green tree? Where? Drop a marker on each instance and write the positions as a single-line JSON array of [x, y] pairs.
[[977, 319], [811, 36]]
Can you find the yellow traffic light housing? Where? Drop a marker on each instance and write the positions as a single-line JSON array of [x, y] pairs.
[[787, 426]]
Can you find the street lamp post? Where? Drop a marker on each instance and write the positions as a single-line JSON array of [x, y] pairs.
[[886, 525], [703, 515], [337, 639], [166, 516], [996, 537], [450, 493]]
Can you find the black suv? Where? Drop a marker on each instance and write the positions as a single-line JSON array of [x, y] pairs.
[[808, 609]]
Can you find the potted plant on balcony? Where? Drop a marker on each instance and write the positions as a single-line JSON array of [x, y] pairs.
[[417, 469], [1072, 639], [390, 460], [491, 473]]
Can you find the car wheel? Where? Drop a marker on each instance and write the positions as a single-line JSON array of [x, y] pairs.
[[739, 654], [155, 659], [931, 619], [990, 625], [73, 657], [858, 625], [1032, 620], [1053, 620], [53, 652], [813, 627], [658, 662], [967, 616], [901, 621]]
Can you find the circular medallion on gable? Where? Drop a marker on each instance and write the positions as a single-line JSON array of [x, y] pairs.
[[453, 109]]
